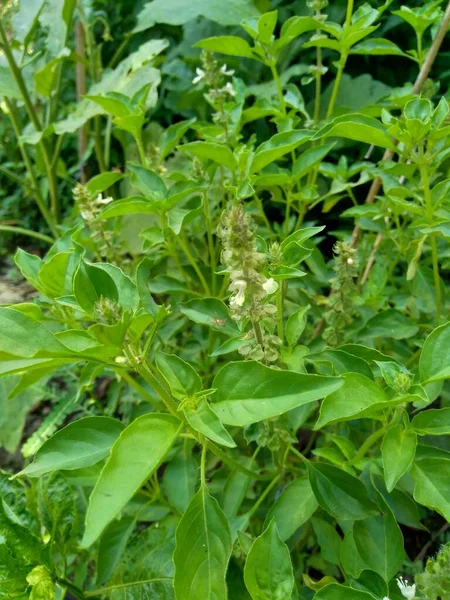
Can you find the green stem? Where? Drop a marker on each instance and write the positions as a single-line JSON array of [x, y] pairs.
[[317, 99], [371, 440], [17, 74], [28, 232], [277, 80], [263, 496], [185, 247], [121, 586], [279, 302], [99, 154], [212, 249], [430, 214], [138, 387], [342, 60], [203, 463], [140, 145], [288, 209], [30, 168], [420, 49]]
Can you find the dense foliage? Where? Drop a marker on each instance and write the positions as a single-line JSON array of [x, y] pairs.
[[227, 375]]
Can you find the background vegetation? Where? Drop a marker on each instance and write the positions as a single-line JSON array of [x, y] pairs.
[[224, 346]]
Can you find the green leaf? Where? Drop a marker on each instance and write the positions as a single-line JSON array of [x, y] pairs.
[[218, 153], [432, 484], [339, 493], [172, 135], [389, 323], [127, 78], [295, 27], [336, 591], [102, 182], [378, 47], [13, 411], [181, 377], [179, 12], [41, 583], [90, 284], [268, 572], [397, 450], [203, 549], [128, 296], [111, 547], [80, 444], [134, 205], [278, 145], [148, 182], [227, 44], [358, 396], [293, 507], [212, 312], [178, 215], [434, 363], [13, 574], [248, 392], [309, 159], [432, 422], [329, 540], [180, 478], [138, 451], [296, 324], [358, 127], [379, 542], [56, 273], [22, 336], [266, 26], [204, 420], [45, 78], [25, 19], [29, 265]]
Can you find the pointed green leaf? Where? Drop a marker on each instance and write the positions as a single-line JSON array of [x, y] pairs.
[[358, 127], [379, 542], [268, 573], [398, 450], [181, 377], [355, 398], [336, 591], [180, 477], [218, 153], [339, 493], [111, 547], [248, 392], [278, 145], [212, 312], [432, 484], [293, 507], [80, 444], [203, 549], [138, 451], [204, 420], [227, 44], [434, 362], [435, 421], [22, 336]]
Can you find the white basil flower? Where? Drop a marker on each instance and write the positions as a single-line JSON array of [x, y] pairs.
[[238, 286], [224, 71], [229, 89], [270, 286], [200, 74], [408, 591]]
